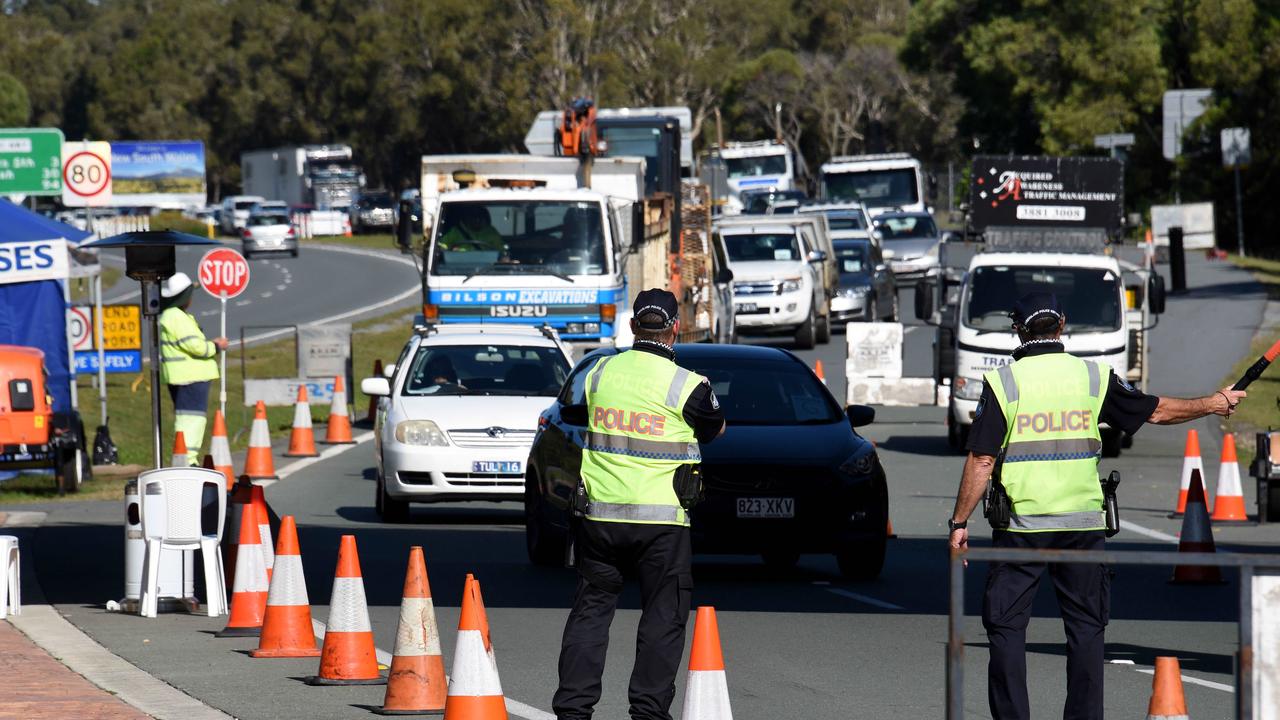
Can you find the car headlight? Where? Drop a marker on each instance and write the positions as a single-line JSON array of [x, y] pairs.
[[420, 432], [967, 388], [790, 285], [853, 292], [859, 465]]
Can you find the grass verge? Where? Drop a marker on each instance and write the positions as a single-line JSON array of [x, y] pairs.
[[1262, 409], [34, 488], [375, 241]]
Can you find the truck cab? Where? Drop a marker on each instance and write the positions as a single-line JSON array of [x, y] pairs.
[[890, 181], [1108, 306], [764, 165]]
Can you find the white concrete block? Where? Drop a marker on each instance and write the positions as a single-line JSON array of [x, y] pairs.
[[891, 391], [874, 350]]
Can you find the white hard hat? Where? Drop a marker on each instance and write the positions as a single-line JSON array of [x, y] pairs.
[[174, 286]]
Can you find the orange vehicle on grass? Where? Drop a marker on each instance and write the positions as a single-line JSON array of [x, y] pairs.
[[31, 435]]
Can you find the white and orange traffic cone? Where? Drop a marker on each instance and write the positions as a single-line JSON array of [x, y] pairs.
[[475, 690], [817, 370], [179, 457], [339, 430], [302, 439], [1228, 502], [1196, 537], [249, 591], [1167, 699], [1191, 461], [258, 499], [706, 694], [286, 625], [416, 684], [348, 656], [220, 449], [258, 463]]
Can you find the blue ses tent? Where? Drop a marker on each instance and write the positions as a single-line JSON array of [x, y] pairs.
[[35, 263]]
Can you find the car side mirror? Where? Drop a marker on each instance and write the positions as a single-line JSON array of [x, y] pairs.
[[375, 387], [1155, 293], [725, 276], [924, 300], [860, 415], [817, 256], [574, 415]]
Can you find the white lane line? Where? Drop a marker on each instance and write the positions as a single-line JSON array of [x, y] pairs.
[[1154, 534], [305, 463], [281, 287], [265, 295], [240, 303], [864, 599], [1194, 681]]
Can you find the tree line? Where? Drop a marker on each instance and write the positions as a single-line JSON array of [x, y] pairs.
[[941, 79]]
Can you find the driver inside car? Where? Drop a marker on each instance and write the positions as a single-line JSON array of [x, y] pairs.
[[472, 230]]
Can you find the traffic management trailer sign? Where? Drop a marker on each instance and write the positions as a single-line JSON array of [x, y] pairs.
[[1047, 191], [31, 161]]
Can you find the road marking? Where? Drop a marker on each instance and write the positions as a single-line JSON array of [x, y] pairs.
[[305, 463], [265, 295], [240, 303], [864, 599], [281, 287], [1194, 681], [1154, 534]]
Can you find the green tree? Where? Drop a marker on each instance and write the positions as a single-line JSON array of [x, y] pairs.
[[15, 106]]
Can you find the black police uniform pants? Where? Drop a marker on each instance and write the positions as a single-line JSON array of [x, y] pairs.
[[1084, 598], [660, 556]]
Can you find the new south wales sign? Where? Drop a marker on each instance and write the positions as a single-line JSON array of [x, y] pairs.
[[30, 161]]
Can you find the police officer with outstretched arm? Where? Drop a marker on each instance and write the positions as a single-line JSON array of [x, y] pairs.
[[1040, 414], [645, 418]]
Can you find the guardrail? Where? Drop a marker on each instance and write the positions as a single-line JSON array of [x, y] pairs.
[[1248, 564]]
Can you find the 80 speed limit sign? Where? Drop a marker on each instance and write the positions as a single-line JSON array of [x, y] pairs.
[[86, 174]]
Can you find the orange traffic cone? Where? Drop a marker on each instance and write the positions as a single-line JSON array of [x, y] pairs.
[[372, 413], [302, 441], [348, 656], [220, 449], [1228, 502], [258, 464], [817, 370], [1196, 537], [259, 501], [706, 694], [249, 592], [1167, 700], [416, 684], [286, 626], [475, 691], [180, 458], [1190, 461], [888, 531], [339, 430]]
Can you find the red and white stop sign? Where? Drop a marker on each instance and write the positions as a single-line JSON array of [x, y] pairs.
[[223, 271]]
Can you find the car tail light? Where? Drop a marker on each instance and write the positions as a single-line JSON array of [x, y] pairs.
[[246, 234], [291, 232]]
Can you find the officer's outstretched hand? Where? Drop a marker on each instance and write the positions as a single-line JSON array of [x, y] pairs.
[[1226, 400]]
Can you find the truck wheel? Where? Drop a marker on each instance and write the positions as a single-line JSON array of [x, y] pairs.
[[544, 543], [824, 329], [806, 335], [1111, 441], [946, 353], [388, 508]]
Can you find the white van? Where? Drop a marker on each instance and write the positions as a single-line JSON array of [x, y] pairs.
[[235, 210]]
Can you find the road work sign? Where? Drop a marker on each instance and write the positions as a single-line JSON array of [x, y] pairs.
[[282, 392], [86, 174], [31, 161], [121, 327], [121, 339], [324, 351]]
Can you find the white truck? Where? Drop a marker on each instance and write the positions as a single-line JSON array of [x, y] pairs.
[[784, 274], [1110, 305], [524, 239], [889, 181], [323, 177], [763, 165]]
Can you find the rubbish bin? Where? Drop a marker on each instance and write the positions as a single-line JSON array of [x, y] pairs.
[[177, 569]]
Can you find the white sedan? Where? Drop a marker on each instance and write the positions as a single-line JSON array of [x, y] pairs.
[[458, 413]]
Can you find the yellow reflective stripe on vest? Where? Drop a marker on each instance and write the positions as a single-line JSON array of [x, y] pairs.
[[1083, 520], [636, 513], [641, 448]]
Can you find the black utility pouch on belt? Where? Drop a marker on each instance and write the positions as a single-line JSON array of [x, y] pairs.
[[688, 486], [1111, 503], [996, 506]]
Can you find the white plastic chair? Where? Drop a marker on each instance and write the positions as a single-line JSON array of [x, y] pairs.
[[183, 490], [11, 583]]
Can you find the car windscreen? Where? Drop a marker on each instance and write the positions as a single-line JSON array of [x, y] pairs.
[[645, 142], [756, 166], [852, 259], [375, 201], [766, 391], [846, 222], [764, 246], [906, 227], [262, 220], [486, 370], [877, 188], [520, 237], [246, 204], [1090, 297]]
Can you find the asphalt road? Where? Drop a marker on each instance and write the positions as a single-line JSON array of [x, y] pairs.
[[804, 643], [325, 284]]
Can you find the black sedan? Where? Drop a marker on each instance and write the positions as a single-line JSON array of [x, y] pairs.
[[789, 476]]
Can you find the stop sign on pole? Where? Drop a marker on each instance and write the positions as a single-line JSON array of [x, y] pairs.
[[223, 273]]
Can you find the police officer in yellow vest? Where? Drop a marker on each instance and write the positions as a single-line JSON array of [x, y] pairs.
[[1043, 411], [645, 418], [187, 362]]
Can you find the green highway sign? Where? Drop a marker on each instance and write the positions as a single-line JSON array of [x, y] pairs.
[[30, 161]]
